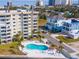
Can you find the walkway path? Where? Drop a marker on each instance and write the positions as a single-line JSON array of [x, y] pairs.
[[68, 48]]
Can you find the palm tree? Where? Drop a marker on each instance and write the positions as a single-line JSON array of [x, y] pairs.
[[38, 34], [0, 41], [30, 37], [53, 46], [17, 37], [60, 46]]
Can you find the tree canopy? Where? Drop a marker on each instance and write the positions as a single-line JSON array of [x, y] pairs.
[[69, 11]]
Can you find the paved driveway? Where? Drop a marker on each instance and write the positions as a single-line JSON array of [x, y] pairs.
[[75, 45]]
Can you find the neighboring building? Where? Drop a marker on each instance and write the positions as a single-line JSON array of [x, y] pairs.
[[72, 2], [63, 2], [51, 2], [57, 2], [69, 2], [71, 28], [71, 24], [75, 2], [54, 23], [60, 2], [39, 3], [60, 24], [78, 2], [16, 21], [9, 3]]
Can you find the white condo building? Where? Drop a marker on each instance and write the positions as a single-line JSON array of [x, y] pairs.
[[17, 21]]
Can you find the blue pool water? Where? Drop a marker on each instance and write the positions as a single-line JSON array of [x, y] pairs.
[[36, 47]]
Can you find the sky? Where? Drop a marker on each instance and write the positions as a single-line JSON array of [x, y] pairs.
[[75, 1], [22, 2]]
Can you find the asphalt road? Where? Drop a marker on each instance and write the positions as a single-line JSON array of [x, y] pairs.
[[54, 40]]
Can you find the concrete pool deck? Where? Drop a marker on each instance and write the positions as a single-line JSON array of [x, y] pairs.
[[40, 54]]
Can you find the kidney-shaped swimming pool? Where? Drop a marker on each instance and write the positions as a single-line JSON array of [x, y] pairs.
[[36, 47]]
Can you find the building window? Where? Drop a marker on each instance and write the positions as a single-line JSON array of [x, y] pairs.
[[29, 17], [14, 29], [13, 18], [8, 30], [8, 23], [35, 24], [20, 14], [13, 25], [25, 21], [25, 37], [25, 14], [19, 18], [2, 19], [3, 27], [3, 31], [13, 14], [25, 24], [7, 19], [25, 31], [8, 27], [8, 37], [25, 34], [34, 14], [3, 34], [7, 15], [14, 32], [35, 29], [4, 37], [35, 20], [25, 28], [25, 18], [14, 22], [2, 16], [8, 33]]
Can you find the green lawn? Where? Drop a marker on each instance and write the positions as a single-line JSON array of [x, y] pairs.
[[67, 40], [8, 45], [10, 49]]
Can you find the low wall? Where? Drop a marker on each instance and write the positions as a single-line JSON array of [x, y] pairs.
[[22, 57]]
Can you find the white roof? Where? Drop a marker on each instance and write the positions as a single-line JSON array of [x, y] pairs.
[[74, 32], [12, 11], [4, 12]]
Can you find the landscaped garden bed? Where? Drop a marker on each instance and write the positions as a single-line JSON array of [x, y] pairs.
[[67, 40]]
